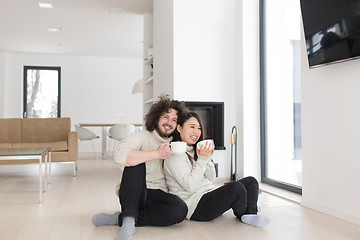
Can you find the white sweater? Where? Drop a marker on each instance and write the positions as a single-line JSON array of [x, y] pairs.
[[189, 182], [146, 141]]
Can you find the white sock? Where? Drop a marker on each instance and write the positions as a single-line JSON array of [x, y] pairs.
[[258, 209], [255, 220], [103, 219], [127, 229]]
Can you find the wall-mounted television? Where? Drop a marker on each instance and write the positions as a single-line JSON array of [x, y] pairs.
[[332, 30]]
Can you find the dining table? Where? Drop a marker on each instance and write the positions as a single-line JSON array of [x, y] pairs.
[[104, 126]]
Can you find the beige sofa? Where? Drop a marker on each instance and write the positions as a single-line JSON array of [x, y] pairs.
[[41, 132]]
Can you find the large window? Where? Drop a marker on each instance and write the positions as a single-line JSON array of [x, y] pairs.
[[41, 92], [280, 94]]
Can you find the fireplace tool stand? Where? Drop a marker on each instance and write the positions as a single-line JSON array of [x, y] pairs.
[[233, 172]]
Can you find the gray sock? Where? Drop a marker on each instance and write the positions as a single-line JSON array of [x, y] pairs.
[[258, 209], [103, 219], [255, 220], [127, 229]]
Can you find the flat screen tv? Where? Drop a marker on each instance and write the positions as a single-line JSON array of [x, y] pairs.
[[332, 30]]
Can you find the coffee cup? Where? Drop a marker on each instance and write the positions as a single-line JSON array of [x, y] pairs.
[[204, 142], [178, 147]]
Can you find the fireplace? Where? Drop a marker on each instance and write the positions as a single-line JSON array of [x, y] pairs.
[[212, 115]]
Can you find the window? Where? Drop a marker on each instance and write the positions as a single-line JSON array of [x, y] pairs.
[[41, 92], [280, 94]]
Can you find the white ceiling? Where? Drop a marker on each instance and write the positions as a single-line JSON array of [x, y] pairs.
[[90, 27]]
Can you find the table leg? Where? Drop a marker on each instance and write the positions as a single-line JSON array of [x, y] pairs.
[[103, 151], [40, 179], [49, 166], [45, 172]]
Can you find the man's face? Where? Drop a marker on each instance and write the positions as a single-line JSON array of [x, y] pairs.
[[167, 123]]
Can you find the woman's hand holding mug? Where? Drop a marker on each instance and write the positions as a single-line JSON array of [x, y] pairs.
[[205, 147]]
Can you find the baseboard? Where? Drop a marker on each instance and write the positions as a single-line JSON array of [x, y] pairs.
[[332, 211], [281, 193]]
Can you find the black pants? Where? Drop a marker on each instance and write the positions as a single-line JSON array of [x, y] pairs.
[[241, 196], [149, 207]]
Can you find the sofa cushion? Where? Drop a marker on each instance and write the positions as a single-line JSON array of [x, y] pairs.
[[10, 130], [54, 146], [6, 145], [60, 157], [45, 130]]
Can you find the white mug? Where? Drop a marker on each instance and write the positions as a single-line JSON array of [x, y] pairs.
[[203, 143], [178, 147]]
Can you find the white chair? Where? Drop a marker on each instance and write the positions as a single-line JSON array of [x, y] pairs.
[[85, 134], [119, 132]]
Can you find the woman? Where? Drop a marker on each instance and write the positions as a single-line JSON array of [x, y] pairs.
[[190, 177]]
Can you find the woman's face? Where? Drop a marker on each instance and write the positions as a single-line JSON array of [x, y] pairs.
[[190, 132]]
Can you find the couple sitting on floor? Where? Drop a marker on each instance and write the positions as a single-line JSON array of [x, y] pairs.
[[161, 189]]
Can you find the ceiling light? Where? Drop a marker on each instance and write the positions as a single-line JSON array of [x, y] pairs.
[[45, 5], [57, 29]]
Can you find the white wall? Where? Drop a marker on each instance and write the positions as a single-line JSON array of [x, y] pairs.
[[239, 82], [199, 44], [2, 83], [204, 54], [251, 88], [93, 89], [216, 59], [163, 36], [330, 138]]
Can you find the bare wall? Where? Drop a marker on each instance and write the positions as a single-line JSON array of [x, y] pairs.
[[330, 138], [93, 89]]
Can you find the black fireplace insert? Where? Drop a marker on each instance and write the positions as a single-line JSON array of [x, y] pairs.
[[212, 115]]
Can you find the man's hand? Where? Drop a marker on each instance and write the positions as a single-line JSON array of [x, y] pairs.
[[163, 150], [138, 156]]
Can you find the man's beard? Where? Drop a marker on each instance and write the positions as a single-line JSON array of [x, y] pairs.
[[163, 134]]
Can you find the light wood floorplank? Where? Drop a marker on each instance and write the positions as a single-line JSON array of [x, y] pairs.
[[70, 203]]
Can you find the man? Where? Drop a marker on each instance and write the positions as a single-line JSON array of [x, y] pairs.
[[143, 192]]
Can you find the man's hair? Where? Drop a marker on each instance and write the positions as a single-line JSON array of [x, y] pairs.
[[164, 104]]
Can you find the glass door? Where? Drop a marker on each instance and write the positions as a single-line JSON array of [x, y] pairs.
[[281, 94]]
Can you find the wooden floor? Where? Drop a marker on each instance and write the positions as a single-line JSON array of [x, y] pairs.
[[70, 202]]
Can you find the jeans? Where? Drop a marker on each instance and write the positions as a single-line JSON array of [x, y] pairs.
[[241, 196], [149, 207]]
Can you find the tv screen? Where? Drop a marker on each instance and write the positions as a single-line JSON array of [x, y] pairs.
[[332, 30]]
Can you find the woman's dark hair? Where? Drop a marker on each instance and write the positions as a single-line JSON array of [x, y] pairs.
[[181, 122], [164, 104]]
